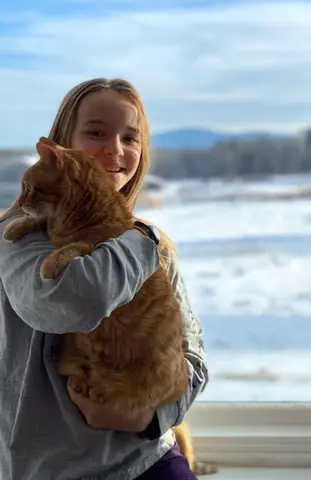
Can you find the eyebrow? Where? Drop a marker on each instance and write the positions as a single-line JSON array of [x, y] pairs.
[[96, 121]]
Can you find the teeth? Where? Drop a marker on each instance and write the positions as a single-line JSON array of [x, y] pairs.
[[114, 170]]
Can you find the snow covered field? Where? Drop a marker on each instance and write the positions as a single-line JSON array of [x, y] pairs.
[[247, 266]]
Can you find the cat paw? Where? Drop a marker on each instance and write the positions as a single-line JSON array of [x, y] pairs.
[[11, 233], [49, 270], [54, 264]]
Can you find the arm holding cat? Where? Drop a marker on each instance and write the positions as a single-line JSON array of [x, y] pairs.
[[154, 424], [89, 289], [173, 414]]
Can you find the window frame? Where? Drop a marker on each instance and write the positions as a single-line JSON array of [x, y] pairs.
[[252, 434]]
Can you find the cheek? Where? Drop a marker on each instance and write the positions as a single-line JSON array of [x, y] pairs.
[[84, 143], [27, 198], [22, 198], [132, 161]]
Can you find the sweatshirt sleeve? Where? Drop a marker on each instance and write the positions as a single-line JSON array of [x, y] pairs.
[[174, 413], [88, 289]]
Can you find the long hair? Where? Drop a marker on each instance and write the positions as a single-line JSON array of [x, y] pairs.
[[64, 123]]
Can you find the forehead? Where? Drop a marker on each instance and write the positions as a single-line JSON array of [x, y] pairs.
[[108, 107]]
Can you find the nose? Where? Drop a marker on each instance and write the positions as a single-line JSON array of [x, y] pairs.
[[113, 146]]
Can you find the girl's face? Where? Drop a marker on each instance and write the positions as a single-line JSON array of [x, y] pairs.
[[107, 128]]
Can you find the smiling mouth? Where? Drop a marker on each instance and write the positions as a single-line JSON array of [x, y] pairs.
[[114, 170]]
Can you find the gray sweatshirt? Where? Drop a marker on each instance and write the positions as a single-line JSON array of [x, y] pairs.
[[43, 435]]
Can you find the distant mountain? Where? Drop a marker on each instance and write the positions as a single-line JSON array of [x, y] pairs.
[[200, 138]]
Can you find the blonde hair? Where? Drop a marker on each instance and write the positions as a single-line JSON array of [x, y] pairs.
[[64, 123]]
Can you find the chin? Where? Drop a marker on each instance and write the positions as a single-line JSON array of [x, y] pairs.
[[32, 212]]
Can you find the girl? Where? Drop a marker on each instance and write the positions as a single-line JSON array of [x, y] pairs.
[[47, 431]]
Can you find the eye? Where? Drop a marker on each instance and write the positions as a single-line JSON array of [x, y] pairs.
[[96, 133], [131, 139]]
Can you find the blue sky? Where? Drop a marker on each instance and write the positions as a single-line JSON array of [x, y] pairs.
[[226, 65]]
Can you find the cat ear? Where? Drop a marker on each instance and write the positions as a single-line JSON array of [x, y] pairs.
[[50, 142], [47, 141], [49, 152]]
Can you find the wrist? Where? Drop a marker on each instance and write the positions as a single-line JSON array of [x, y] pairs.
[[152, 429]]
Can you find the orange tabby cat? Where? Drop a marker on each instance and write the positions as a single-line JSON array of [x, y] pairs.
[[134, 360], [100, 363]]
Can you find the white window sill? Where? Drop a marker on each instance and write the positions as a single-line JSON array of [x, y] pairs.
[[253, 436], [260, 474]]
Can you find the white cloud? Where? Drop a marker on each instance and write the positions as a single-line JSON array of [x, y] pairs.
[[244, 64]]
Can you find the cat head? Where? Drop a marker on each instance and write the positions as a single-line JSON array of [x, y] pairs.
[[58, 178]]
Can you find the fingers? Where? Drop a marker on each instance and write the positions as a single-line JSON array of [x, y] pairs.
[[76, 397]]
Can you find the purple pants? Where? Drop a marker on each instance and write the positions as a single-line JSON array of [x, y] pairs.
[[172, 466]]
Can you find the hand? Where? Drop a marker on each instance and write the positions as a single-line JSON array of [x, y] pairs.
[[99, 416]]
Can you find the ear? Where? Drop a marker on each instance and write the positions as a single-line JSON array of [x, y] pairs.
[[49, 152]]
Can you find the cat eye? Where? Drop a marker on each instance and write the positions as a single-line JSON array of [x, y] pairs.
[[27, 188]]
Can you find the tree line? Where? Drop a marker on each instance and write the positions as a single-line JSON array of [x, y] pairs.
[[260, 157]]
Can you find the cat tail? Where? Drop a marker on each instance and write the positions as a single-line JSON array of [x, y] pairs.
[[183, 438], [203, 468]]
